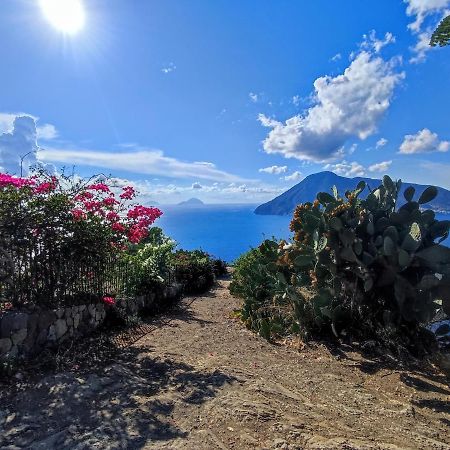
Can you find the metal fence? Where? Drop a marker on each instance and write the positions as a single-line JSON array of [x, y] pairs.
[[41, 278]]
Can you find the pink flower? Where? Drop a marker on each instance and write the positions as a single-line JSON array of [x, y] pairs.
[[117, 226], [83, 196], [99, 187], [128, 193], [109, 300], [110, 201], [78, 214], [9, 180], [112, 216]]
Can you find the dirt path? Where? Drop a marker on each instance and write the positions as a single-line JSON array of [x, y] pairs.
[[202, 381]]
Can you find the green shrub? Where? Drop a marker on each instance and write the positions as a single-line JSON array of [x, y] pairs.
[[149, 263], [219, 267], [194, 269], [364, 268]]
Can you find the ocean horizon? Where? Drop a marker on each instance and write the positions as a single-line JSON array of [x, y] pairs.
[[225, 230]]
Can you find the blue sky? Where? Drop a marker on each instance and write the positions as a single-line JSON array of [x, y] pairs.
[[228, 101]]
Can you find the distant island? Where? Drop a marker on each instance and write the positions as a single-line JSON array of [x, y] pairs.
[[191, 202], [307, 189]]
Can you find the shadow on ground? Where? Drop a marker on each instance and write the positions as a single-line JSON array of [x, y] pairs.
[[118, 406]]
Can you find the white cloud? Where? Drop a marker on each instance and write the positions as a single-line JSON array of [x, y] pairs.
[[381, 143], [423, 142], [421, 10], [371, 42], [336, 57], [348, 105], [296, 100], [253, 97], [143, 161], [196, 185], [47, 132], [274, 169], [352, 169], [169, 68], [17, 144], [382, 166], [295, 176]]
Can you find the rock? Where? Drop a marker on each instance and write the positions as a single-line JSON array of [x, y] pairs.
[[32, 324], [5, 345], [51, 336], [42, 337], [69, 321], [76, 320], [12, 322], [46, 318], [59, 312], [19, 336], [60, 328], [91, 310]]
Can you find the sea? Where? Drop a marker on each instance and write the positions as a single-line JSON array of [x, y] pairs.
[[225, 231]]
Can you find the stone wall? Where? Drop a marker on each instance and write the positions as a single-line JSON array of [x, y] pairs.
[[26, 333]]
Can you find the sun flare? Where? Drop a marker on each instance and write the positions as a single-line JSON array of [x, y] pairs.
[[67, 16]]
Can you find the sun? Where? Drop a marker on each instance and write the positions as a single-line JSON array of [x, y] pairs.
[[67, 16]]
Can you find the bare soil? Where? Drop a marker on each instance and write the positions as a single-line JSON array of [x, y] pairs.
[[198, 379]]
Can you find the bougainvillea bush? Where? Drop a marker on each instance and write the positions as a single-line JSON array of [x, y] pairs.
[[54, 226], [360, 268]]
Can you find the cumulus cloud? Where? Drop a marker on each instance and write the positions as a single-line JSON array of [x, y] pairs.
[[347, 169], [18, 146], [46, 131], [423, 142], [381, 143], [196, 185], [382, 166], [276, 170], [142, 161], [348, 105], [295, 176], [421, 11]]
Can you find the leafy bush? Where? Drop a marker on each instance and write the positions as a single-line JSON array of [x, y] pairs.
[[358, 267], [219, 267], [149, 262], [194, 269]]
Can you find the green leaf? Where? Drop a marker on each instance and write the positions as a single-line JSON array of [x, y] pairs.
[[368, 284], [325, 198], [388, 183], [388, 246], [335, 192], [321, 244], [403, 258], [335, 223], [347, 237], [428, 195], [409, 193], [303, 260], [413, 239], [348, 254]]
